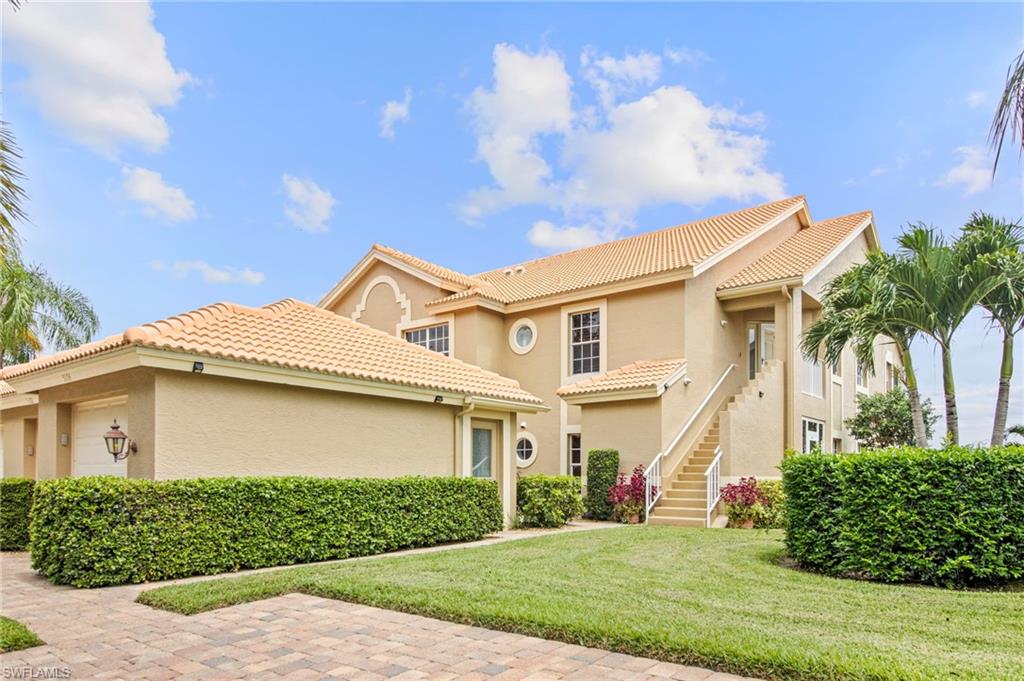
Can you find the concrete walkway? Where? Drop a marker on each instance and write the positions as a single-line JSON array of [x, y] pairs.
[[103, 633]]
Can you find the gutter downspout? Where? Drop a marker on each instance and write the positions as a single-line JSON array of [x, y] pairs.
[[460, 445]]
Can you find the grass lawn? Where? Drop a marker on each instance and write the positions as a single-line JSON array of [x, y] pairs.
[[718, 599], [15, 636]]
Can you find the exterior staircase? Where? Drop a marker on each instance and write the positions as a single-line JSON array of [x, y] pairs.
[[684, 500]]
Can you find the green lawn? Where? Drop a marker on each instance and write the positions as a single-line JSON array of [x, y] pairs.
[[717, 599], [15, 636]]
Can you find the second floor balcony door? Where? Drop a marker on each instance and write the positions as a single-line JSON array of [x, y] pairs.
[[760, 346]]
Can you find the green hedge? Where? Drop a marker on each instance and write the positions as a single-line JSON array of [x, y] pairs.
[[98, 531], [772, 515], [602, 472], [548, 500], [953, 517], [15, 504]]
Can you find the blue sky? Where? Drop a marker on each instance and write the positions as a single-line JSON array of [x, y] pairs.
[[186, 153]]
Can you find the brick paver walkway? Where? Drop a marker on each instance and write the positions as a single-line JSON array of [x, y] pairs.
[[102, 633]]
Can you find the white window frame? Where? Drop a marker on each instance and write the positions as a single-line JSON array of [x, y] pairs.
[[569, 448], [862, 373], [495, 449], [601, 305], [426, 323], [594, 346], [525, 436], [812, 369], [520, 323], [892, 380], [804, 422]]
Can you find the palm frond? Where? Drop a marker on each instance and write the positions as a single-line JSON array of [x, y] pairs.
[[1009, 116]]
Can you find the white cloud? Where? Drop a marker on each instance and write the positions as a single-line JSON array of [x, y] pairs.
[[209, 273], [685, 55], [394, 112], [532, 96], [598, 166], [976, 98], [98, 70], [546, 235], [309, 207], [972, 172], [611, 77], [148, 188]]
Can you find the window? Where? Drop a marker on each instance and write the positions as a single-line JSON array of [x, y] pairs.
[[575, 455], [813, 382], [431, 337], [814, 431], [837, 368], [585, 342], [522, 336], [892, 376], [862, 374], [526, 450], [837, 445], [760, 346], [483, 450]]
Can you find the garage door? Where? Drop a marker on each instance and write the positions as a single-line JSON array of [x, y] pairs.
[[90, 421]]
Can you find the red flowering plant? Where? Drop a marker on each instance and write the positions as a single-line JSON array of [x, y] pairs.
[[627, 495], [743, 501]]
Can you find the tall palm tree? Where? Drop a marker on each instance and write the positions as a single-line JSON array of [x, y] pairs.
[[1002, 243], [36, 310], [852, 315], [1009, 118], [932, 289]]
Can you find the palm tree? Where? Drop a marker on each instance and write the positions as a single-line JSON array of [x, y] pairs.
[[1001, 242], [11, 192], [932, 287], [852, 315], [1016, 430], [1009, 116], [35, 310]]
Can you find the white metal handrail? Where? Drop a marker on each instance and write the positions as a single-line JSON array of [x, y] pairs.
[[713, 478], [652, 474], [652, 485]]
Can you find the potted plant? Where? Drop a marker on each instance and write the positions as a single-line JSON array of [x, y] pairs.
[[743, 501], [627, 497]]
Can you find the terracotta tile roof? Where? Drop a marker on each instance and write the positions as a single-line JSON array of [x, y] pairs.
[[439, 271], [295, 335], [6, 389], [665, 250], [650, 374], [799, 254]]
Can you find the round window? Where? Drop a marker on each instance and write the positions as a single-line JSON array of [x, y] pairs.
[[526, 450], [522, 336]]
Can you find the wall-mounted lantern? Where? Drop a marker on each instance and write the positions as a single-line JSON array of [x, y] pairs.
[[118, 444]]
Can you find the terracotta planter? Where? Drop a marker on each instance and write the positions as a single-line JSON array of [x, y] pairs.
[[634, 519], [747, 524]]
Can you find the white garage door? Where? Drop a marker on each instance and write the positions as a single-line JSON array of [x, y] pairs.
[[90, 421]]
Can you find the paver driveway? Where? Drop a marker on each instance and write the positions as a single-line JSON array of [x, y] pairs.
[[102, 633]]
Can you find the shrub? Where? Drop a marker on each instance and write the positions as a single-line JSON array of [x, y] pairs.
[[952, 517], [602, 469], [628, 497], [885, 420], [103, 530], [15, 504], [772, 515], [548, 500], [742, 501]]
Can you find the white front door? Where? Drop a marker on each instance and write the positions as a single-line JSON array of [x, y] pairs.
[[90, 421]]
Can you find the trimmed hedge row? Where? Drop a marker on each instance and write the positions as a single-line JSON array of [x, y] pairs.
[[15, 504], [99, 531], [548, 500], [602, 473], [953, 517]]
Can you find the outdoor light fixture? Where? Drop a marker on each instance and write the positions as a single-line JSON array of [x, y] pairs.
[[438, 399], [118, 444], [197, 367]]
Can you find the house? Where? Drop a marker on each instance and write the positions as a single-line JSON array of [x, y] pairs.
[[677, 347]]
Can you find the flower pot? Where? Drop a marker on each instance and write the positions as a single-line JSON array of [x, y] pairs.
[[634, 519], [747, 524]]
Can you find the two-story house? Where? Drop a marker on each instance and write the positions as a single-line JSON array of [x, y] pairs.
[[678, 347]]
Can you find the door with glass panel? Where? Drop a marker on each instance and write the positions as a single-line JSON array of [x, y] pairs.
[[484, 440], [760, 346]]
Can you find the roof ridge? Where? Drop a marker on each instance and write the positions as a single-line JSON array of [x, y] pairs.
[[843, 217], [719, 216], [390, 250]]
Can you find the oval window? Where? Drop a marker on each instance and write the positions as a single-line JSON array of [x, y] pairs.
[[522, 336], [526, 449]]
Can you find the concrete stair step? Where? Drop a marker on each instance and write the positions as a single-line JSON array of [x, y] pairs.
[[671, 512], [656, 519], [683, 495], [690, 477]]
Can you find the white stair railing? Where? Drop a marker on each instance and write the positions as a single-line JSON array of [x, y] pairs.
[[713, 478], [652, 485]]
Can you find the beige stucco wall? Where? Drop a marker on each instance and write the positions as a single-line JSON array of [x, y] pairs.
[[752, 428], [383, 311], [633, 427], [18, 428], [481, 338], [212, 426]]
